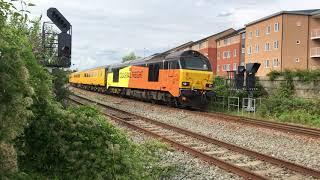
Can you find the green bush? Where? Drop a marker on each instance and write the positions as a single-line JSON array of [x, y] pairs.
[[303, 75], [291, 109], [79, 143]]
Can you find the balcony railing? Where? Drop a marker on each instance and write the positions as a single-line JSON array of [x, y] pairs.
[[315, 52], [315, 34]]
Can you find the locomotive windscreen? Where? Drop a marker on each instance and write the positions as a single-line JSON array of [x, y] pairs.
[[195, 63]]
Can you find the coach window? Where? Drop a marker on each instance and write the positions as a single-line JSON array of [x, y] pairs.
[[115, 75], [153, 74]]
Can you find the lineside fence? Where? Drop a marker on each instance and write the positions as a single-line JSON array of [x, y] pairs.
[[235, 104]]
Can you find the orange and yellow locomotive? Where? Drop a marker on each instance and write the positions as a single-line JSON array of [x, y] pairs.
[[181, 78]]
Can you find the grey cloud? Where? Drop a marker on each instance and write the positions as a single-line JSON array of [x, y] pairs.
[[105, 30], [224, 14]]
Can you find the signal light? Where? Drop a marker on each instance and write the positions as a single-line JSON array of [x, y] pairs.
[[64, 45]]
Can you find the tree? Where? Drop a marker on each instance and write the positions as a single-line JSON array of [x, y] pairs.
[[129, 57]]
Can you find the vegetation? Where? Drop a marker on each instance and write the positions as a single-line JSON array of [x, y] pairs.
[[303, 75], [282, 105], [129, 57], [39, 138], [285, 107]]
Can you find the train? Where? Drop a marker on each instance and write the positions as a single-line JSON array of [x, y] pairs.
[[182, 78]]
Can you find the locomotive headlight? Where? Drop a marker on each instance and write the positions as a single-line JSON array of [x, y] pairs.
[[209, 85], [185, 83]]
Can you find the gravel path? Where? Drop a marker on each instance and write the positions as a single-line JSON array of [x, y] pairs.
[[294, 148]]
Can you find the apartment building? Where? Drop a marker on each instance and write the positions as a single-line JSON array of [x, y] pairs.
[[208, 47], [284, 40], [230, 53]]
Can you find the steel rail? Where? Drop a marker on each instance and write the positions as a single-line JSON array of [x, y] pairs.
[[311, 132], [279, 162], [212, 160], [284, 127]]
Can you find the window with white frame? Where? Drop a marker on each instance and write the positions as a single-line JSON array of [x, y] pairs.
[[243, 50], [226, 54], [276, 27], [266, 64], [226, 67], [234, 66], [249, 50], [218, 68], [276, 44], [275, 62], [268, 30], [218, 55], [235, 52], [250, 35], [257, 48], [267, 47], [257, 32], [225, 41], [243, 35]]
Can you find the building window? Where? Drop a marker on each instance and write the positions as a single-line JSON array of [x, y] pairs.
[[218, 43], [268, 30], [226, 67], [250, 35], [218, 55], [297, 60], [257, 48], [234, 66], [243, 35], [298, 42], [226, 54], [249, 50], [266, 64], [275, 62], [257, 32], [276, 27], [243, 50], [218, 68], [267, 47], [235, 52], [276, 45], [225, 41]]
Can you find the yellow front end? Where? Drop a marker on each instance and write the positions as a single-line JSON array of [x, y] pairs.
[[196, 80]]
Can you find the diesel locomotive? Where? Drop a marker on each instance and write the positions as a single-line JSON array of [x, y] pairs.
[[181, 78]]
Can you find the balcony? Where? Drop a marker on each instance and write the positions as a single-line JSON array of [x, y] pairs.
[[315, 52], [315, 34]]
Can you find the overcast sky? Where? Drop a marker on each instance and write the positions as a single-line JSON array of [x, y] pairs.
[[106, 30]]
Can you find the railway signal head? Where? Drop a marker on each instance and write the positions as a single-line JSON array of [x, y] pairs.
[[58, 19]]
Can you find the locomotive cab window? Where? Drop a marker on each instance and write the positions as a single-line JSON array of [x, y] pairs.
[[195, 63], [115, 75], [153, 74], [173, 65]]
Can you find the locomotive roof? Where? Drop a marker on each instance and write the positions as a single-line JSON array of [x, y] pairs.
[[159, 57]]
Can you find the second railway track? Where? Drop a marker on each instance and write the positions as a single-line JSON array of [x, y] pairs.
[[244, 162]]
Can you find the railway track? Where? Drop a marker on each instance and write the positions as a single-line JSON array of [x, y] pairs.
[[244, 162], [284, 127], [306, 131]]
